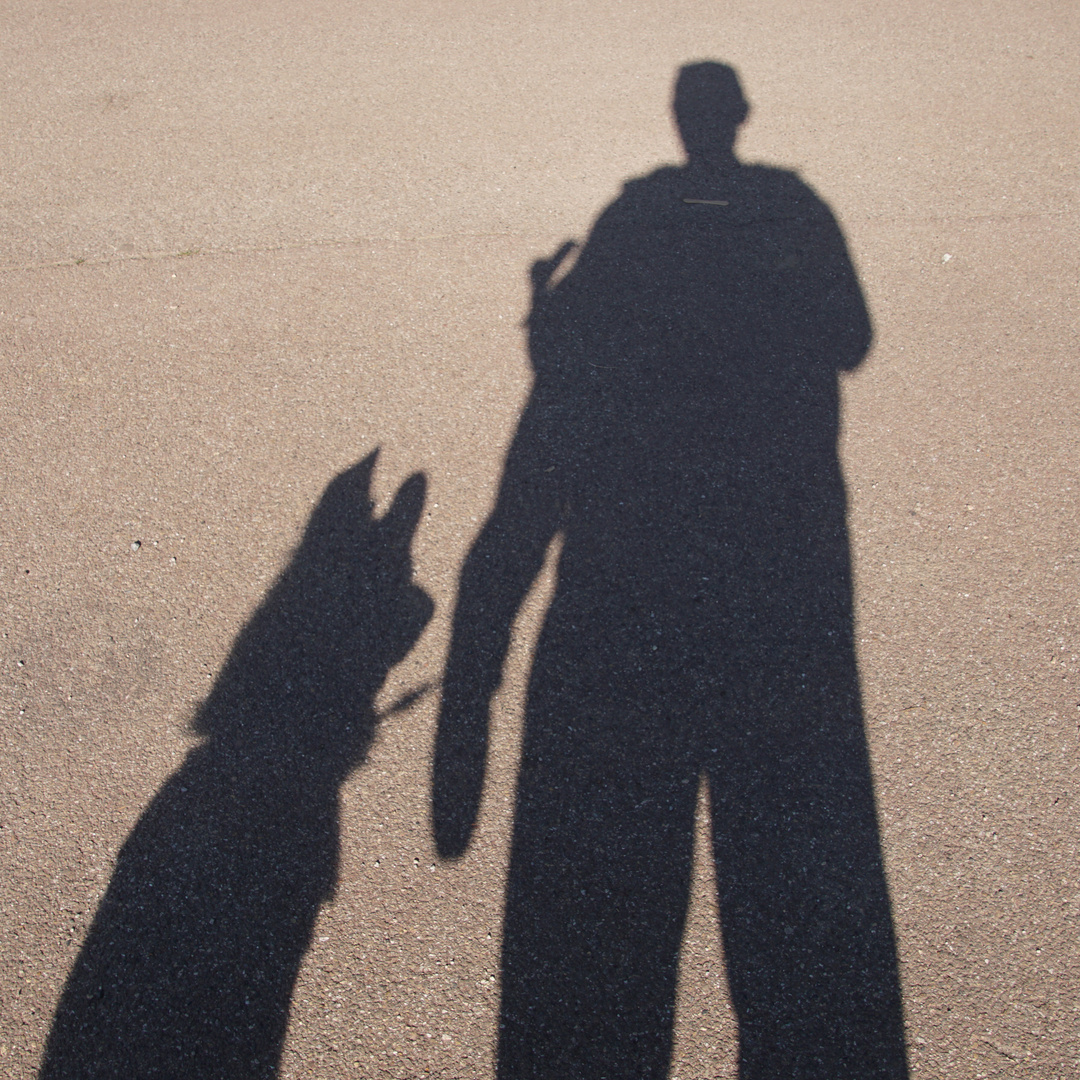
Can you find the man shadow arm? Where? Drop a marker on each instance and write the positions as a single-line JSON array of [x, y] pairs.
[[840, 328], [498, 573]]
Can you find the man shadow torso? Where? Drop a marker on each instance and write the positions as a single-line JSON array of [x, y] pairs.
[[681, 437]]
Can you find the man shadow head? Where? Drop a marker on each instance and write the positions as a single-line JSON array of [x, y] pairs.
[[709, 107]]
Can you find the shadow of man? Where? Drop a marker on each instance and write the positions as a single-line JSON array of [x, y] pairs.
[[189, 966], [681, 437]]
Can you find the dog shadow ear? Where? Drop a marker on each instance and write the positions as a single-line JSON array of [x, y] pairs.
[[345, 506], [398, 525]]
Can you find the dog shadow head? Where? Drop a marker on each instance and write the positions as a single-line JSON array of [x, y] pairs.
[[304, 672]]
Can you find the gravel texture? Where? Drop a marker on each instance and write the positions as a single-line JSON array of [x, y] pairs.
[[264, 283]]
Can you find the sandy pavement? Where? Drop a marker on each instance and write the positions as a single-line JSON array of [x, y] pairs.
[[245, 245]]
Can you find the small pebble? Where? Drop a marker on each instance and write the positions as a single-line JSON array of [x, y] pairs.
[[136, 544], [945, 258]]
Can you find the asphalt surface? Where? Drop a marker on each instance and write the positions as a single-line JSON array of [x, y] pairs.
[[261, 261]]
